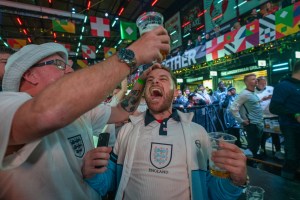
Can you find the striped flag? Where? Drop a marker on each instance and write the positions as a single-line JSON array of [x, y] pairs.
[[109, 51], [100, 27], [82, 63], [16, 43], [63, 26], [88, 51]]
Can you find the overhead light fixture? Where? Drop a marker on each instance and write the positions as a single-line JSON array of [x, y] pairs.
[[297, 54], [175, 42], [179, 80], [173, 32], [103, 40], [186, 35], [85, 18], [113, 24], [261, 63], [106, 14], [117, 18], [280, 69], [280, 65], [82, 29]]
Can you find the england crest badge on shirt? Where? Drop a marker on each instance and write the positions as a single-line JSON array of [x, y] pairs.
[[161, 155], [77, 145]]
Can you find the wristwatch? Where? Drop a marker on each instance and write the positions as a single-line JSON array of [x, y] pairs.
[[127, 56]]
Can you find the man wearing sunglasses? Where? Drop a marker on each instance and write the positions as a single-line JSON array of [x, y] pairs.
[[48, 119], [4, 55]]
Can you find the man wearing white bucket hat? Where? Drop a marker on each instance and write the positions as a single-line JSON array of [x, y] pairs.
[[47, 118]]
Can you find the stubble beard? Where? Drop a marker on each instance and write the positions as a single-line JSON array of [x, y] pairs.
[[160, 107]]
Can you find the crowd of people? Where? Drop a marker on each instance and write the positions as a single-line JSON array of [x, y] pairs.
[[252, 109], [49, 115]]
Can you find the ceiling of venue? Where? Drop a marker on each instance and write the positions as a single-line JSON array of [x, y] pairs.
[[31, 20]]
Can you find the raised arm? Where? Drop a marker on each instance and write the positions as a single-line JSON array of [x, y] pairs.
[[68, 98]]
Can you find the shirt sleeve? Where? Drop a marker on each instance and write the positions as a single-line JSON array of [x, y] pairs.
[[236, 105], [10, 103]]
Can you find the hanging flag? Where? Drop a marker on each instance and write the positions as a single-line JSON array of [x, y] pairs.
[[63, 26], [287, 20], [82, 63], [16, 43], [267, 32], [67, 46], [88, 51], [100, 26], [128, 30], [109, 51]]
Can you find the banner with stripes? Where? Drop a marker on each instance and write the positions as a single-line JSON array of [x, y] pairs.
[[245, 37], [215, 47]]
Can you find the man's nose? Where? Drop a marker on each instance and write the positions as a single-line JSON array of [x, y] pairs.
[[69, 70]]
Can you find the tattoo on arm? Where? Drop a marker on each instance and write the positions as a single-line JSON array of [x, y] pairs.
[[130, 102]]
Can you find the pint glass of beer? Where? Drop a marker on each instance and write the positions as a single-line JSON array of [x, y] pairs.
[[149, 21], [215, 138]]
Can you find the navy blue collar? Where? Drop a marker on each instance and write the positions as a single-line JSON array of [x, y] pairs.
[[149, 117]]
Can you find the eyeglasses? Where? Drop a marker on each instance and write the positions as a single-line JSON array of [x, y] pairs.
[[59, 64]]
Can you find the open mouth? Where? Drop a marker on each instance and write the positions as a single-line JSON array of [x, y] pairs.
[[155, 92]]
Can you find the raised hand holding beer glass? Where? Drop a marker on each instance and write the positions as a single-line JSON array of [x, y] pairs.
[[149, 21]]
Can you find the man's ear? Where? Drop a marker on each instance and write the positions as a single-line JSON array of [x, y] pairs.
[[30, 77]]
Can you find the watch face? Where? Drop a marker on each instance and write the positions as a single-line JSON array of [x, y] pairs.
[[127, 54]]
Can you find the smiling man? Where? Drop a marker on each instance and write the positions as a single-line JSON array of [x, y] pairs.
[[162, 154]]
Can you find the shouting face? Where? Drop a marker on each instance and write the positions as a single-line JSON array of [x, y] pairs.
[[159, 91]]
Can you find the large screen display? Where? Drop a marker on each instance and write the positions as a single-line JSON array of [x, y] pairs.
[[217, 12]]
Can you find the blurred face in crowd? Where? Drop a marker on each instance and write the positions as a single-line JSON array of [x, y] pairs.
[[251, 81], [187, 92], [3, 60], [261, 83], [232, 91], [159, 90], [179, 93], [221, 85], [201, 88]]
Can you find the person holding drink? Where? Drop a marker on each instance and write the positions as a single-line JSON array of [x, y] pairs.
[[162, 154]]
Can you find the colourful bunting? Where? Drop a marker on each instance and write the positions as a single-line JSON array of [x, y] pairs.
[[88, 51], [82, 63], [284, 22], [67, 46], [109, 51], [100, 27], [16, 43], [128, 30], [63, 26]]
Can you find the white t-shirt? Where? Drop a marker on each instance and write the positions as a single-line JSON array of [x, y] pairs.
[[265, 104], [159, 159], [48, 168]]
